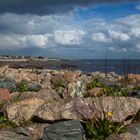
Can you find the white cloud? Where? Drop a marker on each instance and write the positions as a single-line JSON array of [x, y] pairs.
[[20, 41], [135, 32], [100, 37], [48, 31], [37, 40], [118, 35], [116, 49], [69, 37]]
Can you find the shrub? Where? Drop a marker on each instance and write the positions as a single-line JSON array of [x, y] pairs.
[[99, 129], [109, 91], [93, 84], [25, 86]]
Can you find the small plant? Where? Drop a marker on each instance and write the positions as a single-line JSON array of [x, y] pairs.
[[110, 91], [94, 84], [100, 128], [136, 87], [4, 121], [25, 86]]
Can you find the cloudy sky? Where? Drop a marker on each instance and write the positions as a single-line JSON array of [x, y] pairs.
[[80, 29]]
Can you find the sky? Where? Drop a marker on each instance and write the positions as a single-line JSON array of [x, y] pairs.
[[74, 29]]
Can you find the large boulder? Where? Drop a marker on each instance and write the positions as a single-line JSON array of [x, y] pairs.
[[49, 112], [44, 94], [65, 130], [87, 108], [23, 110]]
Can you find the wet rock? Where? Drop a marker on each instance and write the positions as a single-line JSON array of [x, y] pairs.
[[23, 110]]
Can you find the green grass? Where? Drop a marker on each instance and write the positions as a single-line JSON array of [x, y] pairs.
[[107, 90], [99, 129]]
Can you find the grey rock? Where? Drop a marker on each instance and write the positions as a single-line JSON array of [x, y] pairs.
[[9, 135]]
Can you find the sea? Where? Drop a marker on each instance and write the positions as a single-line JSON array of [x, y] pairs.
[[120, 67]]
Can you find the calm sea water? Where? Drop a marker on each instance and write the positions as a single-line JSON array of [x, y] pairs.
[[118, 66]]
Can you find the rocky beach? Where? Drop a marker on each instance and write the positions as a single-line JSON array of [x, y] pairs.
[[34, 99]]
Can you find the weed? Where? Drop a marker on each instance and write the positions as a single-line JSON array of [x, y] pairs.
[[93, 84], [100, 128], [25, 86]]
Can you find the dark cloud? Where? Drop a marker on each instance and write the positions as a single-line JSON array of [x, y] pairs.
[[46, 6]]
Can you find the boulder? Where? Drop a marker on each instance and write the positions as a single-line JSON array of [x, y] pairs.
[[76, 89], [3, 69], [8, 83], [9, 135], [44, 94], [123, 136], [134, 78], [71, 76], [94, 92], [23, 110], [4, 94], [46, 81], [87, 108], [49, 112], [48, 95], [64, 130], [121, 107], [135, 93], [36, 130], [134, 129], [13, 74], [58, 81]]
